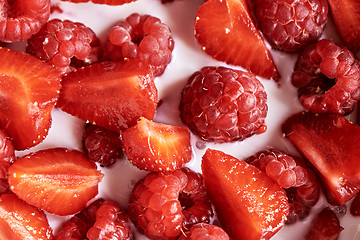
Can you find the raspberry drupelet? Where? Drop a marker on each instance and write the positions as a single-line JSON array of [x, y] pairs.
[[66, 45], [291, 25], [204, 231], [223, 105], [144, 37], [327, 78]]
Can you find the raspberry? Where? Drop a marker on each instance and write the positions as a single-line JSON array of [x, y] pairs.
[[102, 145], [205, 232], [223, 105], [144, 37], [7, 157], [65, 44], [156, 206], [291, 25], [21, 19], [328, 78]]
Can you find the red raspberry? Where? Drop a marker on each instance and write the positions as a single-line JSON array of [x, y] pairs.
[[144, 37], [7, 157], [223, 105], [21, 19], [156, 207], [205, 232], [328, 78], [65, 44], [102, 145], [289, 25]]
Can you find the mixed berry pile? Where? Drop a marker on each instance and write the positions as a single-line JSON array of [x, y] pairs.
[[109, 82]]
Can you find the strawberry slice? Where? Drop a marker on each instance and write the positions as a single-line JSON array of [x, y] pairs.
[[28, 94], [157, 147], [57, 180], [108, 2], [110, 95], [19, 220], [248, 203], [226, 32], [332, 145], [346, 16]]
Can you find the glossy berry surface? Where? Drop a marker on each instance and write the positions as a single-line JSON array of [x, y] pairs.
[[223, 105], [204, 232], [7, 157]]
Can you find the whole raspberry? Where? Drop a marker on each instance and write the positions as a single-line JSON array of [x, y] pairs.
[[291, 25], [144, 37], [205, 232], [156, 207], [102, 145], [328, 78], [223, 105], [65, 44]]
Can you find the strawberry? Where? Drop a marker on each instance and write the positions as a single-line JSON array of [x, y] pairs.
[[326, 226], [110, 95], [248, 203], [108, 2], [157, 147], [225, 31], [346, 15], [57, 180], [355, 205], [332, 145], [28, 94], [19, 220]]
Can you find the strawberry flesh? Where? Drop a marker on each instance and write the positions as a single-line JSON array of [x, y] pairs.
[[355, 206], [249, 205]]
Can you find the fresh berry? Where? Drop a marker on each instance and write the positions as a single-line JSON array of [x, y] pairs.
[[225, 31], [65, 44], [157, 147], [155, 205], [7, 157], [108, 2], [110, 95], [102, 145], [57, 180], [204, 232], [346, 16], [328, 78], [223, 105], [248, 204], [355, 205], [326, 226], [332, 145], [291, 25], [21, 19], [143, 37], [19, 220], [28, 94]]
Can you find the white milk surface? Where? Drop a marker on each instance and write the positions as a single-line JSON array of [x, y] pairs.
[[187, 58]]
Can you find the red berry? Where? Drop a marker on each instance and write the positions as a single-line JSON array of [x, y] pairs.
[[7, 157], [355, 206], [204, 232], [108, 2], [223, 105]]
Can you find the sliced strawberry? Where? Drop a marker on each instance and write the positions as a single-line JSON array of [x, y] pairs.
[[110, 95], [226, 32], [28, 94], [346, 15], [19, 220], [157, 147], [248, 203], [332, 146], [57, 180], [108, 2], [355, 205], [326, 226]]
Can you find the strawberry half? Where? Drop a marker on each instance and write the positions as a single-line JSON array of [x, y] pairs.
[[248, 203], [332, 145], [346, 15], [226, 32], [157, 147], [29, 89], [19, 220], [57, 180], [109, 94], [108, 2]]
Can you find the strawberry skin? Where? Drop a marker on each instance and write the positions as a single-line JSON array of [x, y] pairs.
[[28, 94], [19, 220], [113, 95], [225, 31], [57, 180], [248, 203], [157, 147], [332, 145]]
